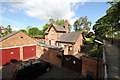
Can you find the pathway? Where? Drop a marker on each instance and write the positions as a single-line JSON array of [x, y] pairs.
[[112, 58]]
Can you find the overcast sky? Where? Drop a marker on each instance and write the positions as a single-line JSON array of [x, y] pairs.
[[37, 12]]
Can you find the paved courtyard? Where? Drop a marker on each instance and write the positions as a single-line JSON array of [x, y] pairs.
[[56, 72]]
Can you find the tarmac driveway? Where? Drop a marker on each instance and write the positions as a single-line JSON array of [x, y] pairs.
[[56, 72]]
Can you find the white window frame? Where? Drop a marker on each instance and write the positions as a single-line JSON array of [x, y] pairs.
[[63, 46], [52, 42], [52, 32]]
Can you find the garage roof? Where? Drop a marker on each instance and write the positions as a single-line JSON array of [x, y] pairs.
[[7, 36]]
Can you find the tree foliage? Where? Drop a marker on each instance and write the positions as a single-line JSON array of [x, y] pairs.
[[9, 30], [109, 23], [33, 31], [45, 27], [22, 30], [82, 24]]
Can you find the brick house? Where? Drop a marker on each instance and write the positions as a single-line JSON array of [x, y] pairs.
[[17, 46], [54, 32], [57, 35], [71, 42], [2, 29]]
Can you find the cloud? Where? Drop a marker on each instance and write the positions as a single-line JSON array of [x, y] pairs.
[[45, 9], [15, 29], [12, 0]]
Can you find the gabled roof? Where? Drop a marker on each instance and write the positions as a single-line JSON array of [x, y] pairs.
[[69, 37], [2, 28], [16, 39], [58, 28], [7, 36]]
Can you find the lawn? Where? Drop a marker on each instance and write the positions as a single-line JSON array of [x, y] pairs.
[[89, 40]]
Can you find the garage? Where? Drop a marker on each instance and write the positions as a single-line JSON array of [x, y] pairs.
[[17, 46], [10, 54], [29, 51]]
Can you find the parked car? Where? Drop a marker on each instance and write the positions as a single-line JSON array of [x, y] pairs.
[[31, 71]]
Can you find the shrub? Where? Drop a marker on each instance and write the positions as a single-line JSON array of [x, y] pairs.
[[93, 53]]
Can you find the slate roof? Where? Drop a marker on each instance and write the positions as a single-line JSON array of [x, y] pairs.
[[57, 28], [7, 36], [69, 37], [47, 30]]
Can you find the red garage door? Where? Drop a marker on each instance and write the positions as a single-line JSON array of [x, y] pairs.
[[29, 51], [9, 54]]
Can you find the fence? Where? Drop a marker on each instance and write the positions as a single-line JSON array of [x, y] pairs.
[[105, 66]]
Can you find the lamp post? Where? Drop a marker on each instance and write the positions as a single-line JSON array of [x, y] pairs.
[[99, 43]]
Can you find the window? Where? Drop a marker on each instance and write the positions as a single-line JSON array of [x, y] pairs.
[[70, 48], [21, 37], [63, 46], [57, 44], [52, 31], [52, 42]]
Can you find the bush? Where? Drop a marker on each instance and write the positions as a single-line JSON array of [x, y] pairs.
[[93, 53], [33, 36], [89, 40]]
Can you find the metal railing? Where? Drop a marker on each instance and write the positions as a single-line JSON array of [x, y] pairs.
[[105, 66]]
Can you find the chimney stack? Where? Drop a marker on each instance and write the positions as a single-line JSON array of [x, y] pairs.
[[66, 26]]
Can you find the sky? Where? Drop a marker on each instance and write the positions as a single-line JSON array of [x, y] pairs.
[[36, 13]]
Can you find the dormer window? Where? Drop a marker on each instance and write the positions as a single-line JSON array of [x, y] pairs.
[[52, 31]]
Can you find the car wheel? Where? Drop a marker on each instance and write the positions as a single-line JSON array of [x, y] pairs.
[[48, 69]]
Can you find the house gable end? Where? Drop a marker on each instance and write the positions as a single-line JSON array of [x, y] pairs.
[[18, 39], [51, 27]]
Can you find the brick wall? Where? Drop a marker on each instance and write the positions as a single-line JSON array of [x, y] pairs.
[[90, 64], [78, 44], [51, 55], [19, 39], [51, 36]]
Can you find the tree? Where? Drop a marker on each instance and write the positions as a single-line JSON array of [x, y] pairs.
[[45, 27], [9, 29], [108, 24], [82, 24], [33, 31], [22, 30], [51, 20]]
